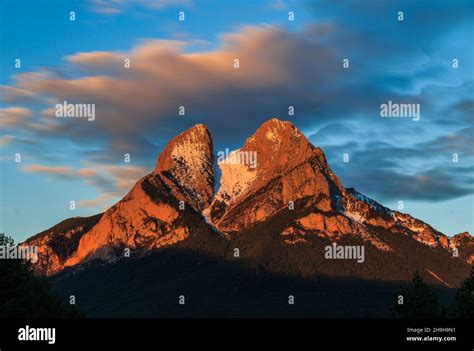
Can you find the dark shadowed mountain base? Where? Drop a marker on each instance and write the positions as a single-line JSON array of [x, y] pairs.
[[214, 283]]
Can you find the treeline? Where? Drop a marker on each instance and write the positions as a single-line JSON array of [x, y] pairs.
[[419, 300]]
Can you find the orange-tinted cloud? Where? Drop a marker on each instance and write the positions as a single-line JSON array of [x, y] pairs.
[[13, 116], [56, 170], [112, 181], [163, 76]]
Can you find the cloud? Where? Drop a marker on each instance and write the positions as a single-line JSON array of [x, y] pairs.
[[279, 5], [138, 102], [431, 185], [460, 142], [137, 107], [107, 7], [5, 139], [422, 171], [13, 116], [55, 170], [114, 7], [277, 69], [111, 181], [12, 94], [100, 201]]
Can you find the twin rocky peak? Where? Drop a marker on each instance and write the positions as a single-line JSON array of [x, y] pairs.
[[288, 176]]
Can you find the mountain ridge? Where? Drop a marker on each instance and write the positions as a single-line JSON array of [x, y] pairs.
[[291, 177]]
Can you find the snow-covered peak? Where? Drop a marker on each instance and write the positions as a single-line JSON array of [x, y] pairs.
[[236, 177], [187, 160]]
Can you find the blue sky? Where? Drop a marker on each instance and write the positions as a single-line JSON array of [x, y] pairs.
[[189, 63]]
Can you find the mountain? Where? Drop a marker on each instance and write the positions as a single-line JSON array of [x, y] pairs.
[[156, 212], [289, 169], [186, 167], [294, 171], [277, 209], [59, 242]]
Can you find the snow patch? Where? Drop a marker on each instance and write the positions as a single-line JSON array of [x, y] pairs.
[[355, 216], [235, 180], [190, 155], [206, 213]]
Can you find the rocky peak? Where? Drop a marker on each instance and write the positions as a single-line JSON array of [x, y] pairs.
[[280, 146], [186, 164], [150, 215], [464, 236], [464, 244], [287, 169], [276, 172], [275, 146]]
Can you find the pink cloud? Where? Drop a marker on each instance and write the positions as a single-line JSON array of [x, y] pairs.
[[55, 170], [13, 116], [112, 181]]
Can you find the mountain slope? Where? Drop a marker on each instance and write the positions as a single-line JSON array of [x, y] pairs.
[[185, 166], [59, 242], [154, 213], [289, 169], [464, 244], [278, 202], [204, 270], [293, 174]]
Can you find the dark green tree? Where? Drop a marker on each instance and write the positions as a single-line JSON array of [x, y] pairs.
[[463, 306], [416, 300], [25, 295]]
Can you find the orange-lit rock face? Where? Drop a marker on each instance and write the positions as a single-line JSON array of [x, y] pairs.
[[288, 173], [289, 169], [337, 224], [148, 216], [48, 260], [134, 222], [332, 224], [464, 243], [56, 244], [313, 221], [369, 212], [444, 242]]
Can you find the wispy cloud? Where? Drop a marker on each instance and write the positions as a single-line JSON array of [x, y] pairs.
[[111, 181], [13, 116], [422, 171], [54, 170], [137, 107], [114, 7]]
